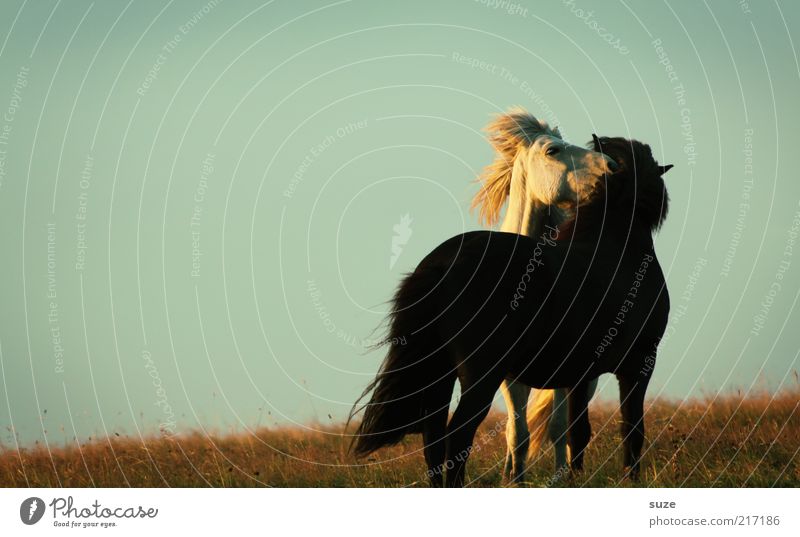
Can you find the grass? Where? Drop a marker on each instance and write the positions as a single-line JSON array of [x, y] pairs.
[[723, 441]]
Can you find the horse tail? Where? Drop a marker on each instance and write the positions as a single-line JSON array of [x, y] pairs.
[[540, 411], [413, 364]]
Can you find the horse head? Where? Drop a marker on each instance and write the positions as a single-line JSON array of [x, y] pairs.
[[535, 166], [637, 187]]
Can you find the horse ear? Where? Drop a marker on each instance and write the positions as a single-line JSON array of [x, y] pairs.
[[665, 169], [596, 140]]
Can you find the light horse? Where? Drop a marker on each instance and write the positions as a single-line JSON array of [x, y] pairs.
[[542, 188], [587, 298]]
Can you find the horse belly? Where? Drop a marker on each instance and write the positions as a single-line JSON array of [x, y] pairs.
[[551, 370]]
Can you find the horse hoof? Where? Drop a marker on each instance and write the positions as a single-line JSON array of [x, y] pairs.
[[632, 474]]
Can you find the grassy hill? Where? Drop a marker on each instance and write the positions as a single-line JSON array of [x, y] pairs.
[[723, 441]]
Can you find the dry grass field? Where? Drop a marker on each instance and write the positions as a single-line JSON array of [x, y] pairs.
[[723, 441]]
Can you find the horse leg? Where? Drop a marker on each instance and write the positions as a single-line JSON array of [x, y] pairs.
[[517, 434], [437, 403], [591, 388], [631, 395], [557, 429], [471, 411], [511, 429], [580, 430], [559, 423]]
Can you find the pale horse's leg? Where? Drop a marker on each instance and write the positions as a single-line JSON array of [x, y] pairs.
[[559, 423], [517, 436]]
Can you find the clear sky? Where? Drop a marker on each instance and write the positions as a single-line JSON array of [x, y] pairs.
[[199, 199]]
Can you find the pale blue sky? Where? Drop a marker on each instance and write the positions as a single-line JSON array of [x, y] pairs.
[[284, 141]]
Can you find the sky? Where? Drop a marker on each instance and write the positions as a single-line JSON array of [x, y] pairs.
[[206, 205]]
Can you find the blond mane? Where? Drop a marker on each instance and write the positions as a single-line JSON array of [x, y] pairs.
[[508, 133]]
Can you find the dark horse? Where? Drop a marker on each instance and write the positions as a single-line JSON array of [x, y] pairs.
[[584, 299]]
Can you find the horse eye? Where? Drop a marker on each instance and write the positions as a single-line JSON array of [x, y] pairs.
[[552, 150]]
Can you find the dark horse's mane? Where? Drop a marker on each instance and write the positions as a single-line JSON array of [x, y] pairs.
[[635, 191]]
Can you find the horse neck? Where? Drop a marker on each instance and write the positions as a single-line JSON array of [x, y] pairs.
[[596, 222], [530, 218]]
